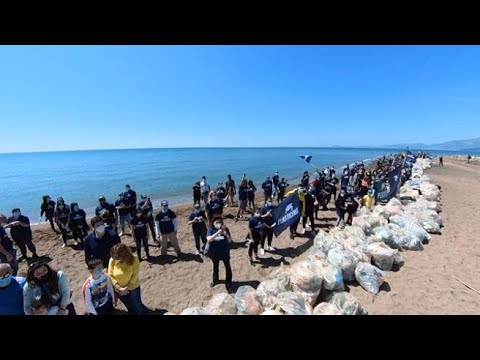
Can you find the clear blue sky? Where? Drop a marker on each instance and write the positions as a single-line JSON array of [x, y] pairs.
[[104, 97]]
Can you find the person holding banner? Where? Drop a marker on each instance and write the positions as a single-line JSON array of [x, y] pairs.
[[301, 192], [255, 225], [310, 202], [267, 231]]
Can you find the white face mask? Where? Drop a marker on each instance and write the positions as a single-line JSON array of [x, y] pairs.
[[61, 206], [100, 229], [164, 209], [257, 214], [218, 226], [16, 214], [269, 203]]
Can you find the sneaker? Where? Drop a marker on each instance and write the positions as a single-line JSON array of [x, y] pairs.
[[271, 248], [64, 245], [213, 283], [262, 252], [303, 232], [120, 233], [197, 252], [253, 259], [75, 243]]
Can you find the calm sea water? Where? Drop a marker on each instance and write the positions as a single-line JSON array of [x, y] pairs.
[[82, 176]]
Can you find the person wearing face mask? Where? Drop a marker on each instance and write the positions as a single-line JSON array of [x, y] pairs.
[[345, 179], [214, 206], [310, 202], [139, 230], [97, 290], [11, 292], [112, 219], [131, 197], [123, 207], [197, 219], [255, 225], [251, 195], [230, 190], [62, 212], [267, 231], [353, 202], [21, 233], [99, 242], [48, 208], [301, 192], [219, 241], [7, 252], [166, 224], [305, 179], [282, 187], [275, 182], [78, 222], [147, 209], [42, 280]]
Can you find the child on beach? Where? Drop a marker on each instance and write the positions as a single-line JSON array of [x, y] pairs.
[[97, 290], [41, 306]]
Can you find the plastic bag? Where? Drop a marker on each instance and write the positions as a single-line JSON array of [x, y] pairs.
[[332, 277], [382, 211], [362, 223], [169, 313], [347, 303], [247, 301], [383, 256], [394, 207], [327, 309], [325, 242], [410, 224], [222, 304], [305, 282], [398, 260], [354, 232], [345, 260], [268, 290], [272, 312], [369, 277], [196, 310], [291, 303]]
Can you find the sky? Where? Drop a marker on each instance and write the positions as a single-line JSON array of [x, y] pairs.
[[56, 98]]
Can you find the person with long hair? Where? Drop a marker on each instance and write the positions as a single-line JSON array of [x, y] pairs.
[[42, 280], [62, 211], [219, 241], [124, 269]]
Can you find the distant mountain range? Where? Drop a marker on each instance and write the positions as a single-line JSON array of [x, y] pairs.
[[456, 145]]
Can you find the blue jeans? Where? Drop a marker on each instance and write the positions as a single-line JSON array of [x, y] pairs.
[[133, 302]]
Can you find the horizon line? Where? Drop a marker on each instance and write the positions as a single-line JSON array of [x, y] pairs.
[[384, 147]]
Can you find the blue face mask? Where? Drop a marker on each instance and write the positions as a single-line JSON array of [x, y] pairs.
[[4, 282], [97, 273]]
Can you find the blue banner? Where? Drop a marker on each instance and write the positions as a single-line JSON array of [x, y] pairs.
[[386, 188], [286, 213], [409, 161]]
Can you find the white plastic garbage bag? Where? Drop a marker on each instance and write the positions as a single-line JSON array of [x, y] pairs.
[[369, 277], [345, 260], [268, 290], [222, 304], [291, 303], [383, 256], [332, 277], [305, 282], [346, 302], [247, 301], [327, 309], [196, 310]]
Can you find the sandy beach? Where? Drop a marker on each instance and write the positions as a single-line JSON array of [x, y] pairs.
[[424, 285]]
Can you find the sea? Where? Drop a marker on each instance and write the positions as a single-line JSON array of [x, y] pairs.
[[162, 174]]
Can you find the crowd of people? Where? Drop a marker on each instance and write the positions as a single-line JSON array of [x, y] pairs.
[[114, 269]]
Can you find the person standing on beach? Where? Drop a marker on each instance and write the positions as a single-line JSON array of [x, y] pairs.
[[197, 219], [367, 200], [21, 233], [230, 189], [166, 224], [282, 187], [48, 208], [124, 270], [353, 202], [310, 202], [97, 290], [242, 199], [131, 197], [345, 180], [214, 206], [305, 179], [139, 232], [251, 195], [123, 206], [221, 195], [267, 187], [219, 241], [275, 181], [62, 212], [267, 231], [99, 242], [196, 193], [468, 159], [8, 254], [78, 222], [341, 207], [301, 192], [441, 160], [147, 209], [255, 225], [204, 189], [112, 219]]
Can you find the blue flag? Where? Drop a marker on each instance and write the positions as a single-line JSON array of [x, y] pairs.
[[307, 158], [286, 213], [386, 188], [409, 161]]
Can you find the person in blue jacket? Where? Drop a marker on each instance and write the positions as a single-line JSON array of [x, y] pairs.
[[62, 212], [11, 292], [267, 187], [78, 222], [99, 242], [219, 241], [48, 208], [112, 218], [255, 226]]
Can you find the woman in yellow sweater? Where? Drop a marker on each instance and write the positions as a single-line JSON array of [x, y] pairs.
[[123, 269]]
